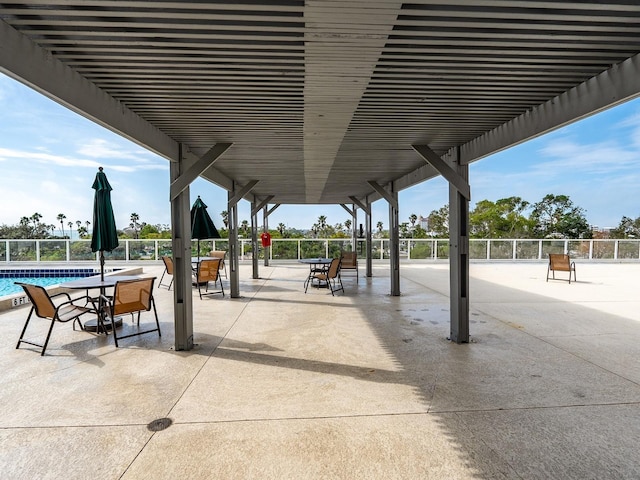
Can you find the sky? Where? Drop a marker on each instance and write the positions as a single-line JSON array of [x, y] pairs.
[[49, 156]]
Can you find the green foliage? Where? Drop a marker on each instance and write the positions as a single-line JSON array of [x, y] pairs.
[[627, 228], [439, 222], [503, 219], [419, 232], [28, 227], [555, 216]]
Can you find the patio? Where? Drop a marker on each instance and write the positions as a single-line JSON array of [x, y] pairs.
[[362, 385]]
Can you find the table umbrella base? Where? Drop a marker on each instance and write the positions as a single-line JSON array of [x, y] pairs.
[[92, 325]]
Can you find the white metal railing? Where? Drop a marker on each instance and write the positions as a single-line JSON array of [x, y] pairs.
[[64, 250]]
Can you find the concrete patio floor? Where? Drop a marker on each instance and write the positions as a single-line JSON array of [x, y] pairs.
[[287, 385]]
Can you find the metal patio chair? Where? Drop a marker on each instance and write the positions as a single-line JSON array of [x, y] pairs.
[[330, 277], [134, 297], [208, 271], [44, 306], [168, 270]]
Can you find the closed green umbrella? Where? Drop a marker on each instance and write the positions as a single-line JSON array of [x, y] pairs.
[[105, 235], [202, 226]]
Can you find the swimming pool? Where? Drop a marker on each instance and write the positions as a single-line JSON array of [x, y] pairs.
[[41, 276]]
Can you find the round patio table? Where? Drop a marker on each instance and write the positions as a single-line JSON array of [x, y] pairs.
[[92, 283]]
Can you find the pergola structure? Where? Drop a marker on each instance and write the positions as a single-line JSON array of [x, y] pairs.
[[325, 101]]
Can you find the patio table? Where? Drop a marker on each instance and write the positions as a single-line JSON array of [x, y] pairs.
[[92, 283], [314, 264]]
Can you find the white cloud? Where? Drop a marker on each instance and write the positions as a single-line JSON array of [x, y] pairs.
[[46, 158], [597, 158], [101, 148]]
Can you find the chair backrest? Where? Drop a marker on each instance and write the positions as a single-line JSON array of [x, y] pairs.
[[221, 254], [168, 264], [131, 296], [334, 268], [349, 259], [40, 300], [208, 270], [559, 261]]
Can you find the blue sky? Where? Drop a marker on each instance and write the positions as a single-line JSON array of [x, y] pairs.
[[49, 157]]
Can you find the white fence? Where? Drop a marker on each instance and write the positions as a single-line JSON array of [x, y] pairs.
[[43, 251]]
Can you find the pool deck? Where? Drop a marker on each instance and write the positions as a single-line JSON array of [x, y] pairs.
[[288, 385]]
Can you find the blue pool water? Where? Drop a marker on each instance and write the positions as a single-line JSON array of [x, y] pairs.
[[44, 277], [7, 287]]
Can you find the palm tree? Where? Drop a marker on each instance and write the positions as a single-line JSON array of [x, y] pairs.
[[61, 217], [379, 226], [413, 218], [134, 224], [281, 228], [244, 225], [321, 229], [347, 225], [70, 229], [87, 223], [225, 218]]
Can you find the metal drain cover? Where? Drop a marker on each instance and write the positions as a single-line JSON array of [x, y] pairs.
[[159, 424]]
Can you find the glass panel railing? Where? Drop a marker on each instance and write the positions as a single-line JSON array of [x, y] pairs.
[[119, 253], [282, 249], [22, 251], [421, 249], [442, 249], [552, 246], [53, 251], [527, 249], [313, 248], [579, 248], [62, 250], [501, 250], [603, 250], [628, 249], [478, 249], [80, 250], [142, 250]]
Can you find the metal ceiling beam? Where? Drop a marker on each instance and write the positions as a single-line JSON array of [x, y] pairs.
[[241, 192], [379, 189], [195, 170], [364, 206], [258, 205], [454, 179], [349, 210]]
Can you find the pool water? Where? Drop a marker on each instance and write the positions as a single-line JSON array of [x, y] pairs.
[[38, 276], [8, 287]]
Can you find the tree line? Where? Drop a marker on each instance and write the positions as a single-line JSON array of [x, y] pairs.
[[33, 227], [555, 216]]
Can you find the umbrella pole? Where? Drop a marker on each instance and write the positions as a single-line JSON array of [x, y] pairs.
[[102, 265]]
